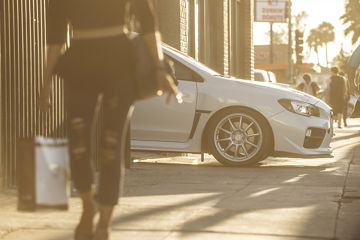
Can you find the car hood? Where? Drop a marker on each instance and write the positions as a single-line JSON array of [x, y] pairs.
[[277, 89]]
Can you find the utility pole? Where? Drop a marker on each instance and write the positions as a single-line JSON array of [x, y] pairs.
[[290, 50]]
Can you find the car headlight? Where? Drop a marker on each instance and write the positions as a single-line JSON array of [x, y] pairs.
[[299, 107]]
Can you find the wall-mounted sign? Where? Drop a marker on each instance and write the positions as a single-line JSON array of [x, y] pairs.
[[270, 11]]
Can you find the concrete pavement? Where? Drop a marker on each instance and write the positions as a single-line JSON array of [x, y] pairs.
[[171, 197]]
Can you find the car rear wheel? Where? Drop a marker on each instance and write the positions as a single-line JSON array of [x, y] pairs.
[[239, 137]]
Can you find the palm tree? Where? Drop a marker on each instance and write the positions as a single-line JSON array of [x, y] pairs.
[[352, 18], [326, 35], [299, 20], [314, 42], [341, 59], [279, 36]]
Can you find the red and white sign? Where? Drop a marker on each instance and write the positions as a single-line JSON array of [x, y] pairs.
[[270, 11]]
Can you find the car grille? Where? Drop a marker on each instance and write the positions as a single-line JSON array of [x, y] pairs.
[[315, 139]]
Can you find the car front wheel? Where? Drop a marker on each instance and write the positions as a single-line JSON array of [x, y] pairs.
[[239, 137]]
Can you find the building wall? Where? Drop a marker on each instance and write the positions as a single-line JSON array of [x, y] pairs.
[[226, 37], [22, 54], [173, 18], [184, 26], [2, 173], [245, 49], [169, 16], [224, 33], [218, 36]]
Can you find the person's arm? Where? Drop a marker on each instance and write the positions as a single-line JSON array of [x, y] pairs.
[[346, 90], [165, 81], [327, 91], [53, 52], [316, 87], [145, 13], [300, 86]]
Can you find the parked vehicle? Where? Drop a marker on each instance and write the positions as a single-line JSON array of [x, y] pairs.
[[264, 76], [239, 122], [356, 111]]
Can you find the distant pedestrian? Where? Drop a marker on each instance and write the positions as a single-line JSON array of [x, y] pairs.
[[347, 97], [336, 94], [308, 86]]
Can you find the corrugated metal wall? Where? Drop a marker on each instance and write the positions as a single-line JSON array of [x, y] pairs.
[[22, 49]]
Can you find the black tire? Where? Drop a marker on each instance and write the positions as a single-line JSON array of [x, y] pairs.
[[239, 146]]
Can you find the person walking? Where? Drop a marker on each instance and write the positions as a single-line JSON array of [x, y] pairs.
[[347, 98], [308, 86], [336, 94], [99, 63]]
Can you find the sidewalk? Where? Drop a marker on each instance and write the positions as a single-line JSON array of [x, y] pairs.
[[171, 197]]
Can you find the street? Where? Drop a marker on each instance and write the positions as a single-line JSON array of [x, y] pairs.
[[168, 197]]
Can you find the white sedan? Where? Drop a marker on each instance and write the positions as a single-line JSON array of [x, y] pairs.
[[239, 122]]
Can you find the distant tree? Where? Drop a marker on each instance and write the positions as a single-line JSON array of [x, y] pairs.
[[279, 36], [341, 59], [326, 35], [314, 42], [352, 19], [299, 20]]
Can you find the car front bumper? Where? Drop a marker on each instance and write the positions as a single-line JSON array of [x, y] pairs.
[[296, 135]]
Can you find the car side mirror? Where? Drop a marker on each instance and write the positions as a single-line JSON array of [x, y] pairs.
[[196, 77]]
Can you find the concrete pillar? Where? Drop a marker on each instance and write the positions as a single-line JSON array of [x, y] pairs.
[[244, 39], [174, 23], [184, 26], [223, 38], [217, 16], [191, 26], [169, 21], [1, 103]]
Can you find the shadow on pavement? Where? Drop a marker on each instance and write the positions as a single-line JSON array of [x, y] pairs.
[[240, 200], [238, 193]]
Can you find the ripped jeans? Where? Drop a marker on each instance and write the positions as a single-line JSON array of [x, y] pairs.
[[81, 100]]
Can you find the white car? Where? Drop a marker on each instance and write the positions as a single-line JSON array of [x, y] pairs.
[[239, 122], [264, 76]]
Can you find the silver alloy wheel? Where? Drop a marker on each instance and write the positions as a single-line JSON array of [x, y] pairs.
[[238, 137]]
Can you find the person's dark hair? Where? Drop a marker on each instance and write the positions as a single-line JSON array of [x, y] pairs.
[[334, 70], [307, 76]]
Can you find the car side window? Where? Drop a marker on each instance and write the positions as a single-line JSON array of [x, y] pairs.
[[182, 72]]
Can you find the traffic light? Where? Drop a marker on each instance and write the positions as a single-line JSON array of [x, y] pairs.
[[299, 46]]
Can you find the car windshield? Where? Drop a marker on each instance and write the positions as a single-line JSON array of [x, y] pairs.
[[190, 60]]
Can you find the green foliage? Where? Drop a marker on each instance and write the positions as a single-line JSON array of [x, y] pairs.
[[341, 59], [279, 36], [319, 36], [352, 19], [299, 20], [314, 41], [326, 32]]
